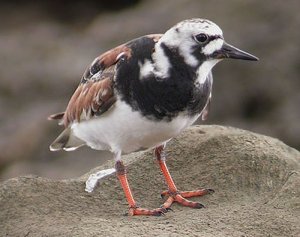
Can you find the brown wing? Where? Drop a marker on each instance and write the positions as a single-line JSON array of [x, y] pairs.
[[91, 98], [95, 93]]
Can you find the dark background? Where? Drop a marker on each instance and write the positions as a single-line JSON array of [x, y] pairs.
[[46, 45]]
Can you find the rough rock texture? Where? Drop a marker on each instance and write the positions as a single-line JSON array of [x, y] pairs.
[[256, 179], [45, 46]]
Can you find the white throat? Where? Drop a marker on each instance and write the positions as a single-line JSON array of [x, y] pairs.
[[205, 69]]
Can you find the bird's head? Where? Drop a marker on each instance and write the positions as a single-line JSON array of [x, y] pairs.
[[200, 40]]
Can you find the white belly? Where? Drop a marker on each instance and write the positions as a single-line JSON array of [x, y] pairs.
[[121, 129]]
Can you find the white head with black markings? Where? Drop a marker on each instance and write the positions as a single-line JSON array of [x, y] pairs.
[[200, 43]]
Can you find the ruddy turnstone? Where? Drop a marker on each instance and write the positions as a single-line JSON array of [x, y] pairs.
[[143, 93]]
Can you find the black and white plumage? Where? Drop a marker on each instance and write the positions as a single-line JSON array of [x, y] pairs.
[[143, 93]]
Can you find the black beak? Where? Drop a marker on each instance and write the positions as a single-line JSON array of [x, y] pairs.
[[228, 51]]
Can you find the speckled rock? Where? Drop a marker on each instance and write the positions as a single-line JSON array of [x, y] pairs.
[[256, 181]]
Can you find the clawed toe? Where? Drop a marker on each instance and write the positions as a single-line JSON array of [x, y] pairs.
[[181, 198], [188, 194], [172, 194], [169, 209], [199, 205], [137, 211], [164, 193]]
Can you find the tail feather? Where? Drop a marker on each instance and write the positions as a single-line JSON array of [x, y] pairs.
[[66, 141], [58, 116]]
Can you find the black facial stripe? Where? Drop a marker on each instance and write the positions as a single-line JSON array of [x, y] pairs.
[[177, 61], [214, 37], [210, 38], [197, 50]]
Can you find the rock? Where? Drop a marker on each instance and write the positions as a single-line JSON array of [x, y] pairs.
[[256, 181], [45, 50]]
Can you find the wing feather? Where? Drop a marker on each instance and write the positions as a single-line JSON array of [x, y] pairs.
[[95, 93], [88, 100]]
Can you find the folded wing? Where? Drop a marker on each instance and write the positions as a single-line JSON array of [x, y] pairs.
[[93, 97]]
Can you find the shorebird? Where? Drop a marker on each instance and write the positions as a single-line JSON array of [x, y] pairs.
[[143, 93]]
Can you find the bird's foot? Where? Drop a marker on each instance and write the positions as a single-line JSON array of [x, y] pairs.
[[137, 211], [181, 198]]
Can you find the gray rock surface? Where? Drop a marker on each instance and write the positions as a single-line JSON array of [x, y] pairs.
[[43, 56], [256, 179]]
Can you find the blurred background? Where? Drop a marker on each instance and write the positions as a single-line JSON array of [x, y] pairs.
[[45, 47]]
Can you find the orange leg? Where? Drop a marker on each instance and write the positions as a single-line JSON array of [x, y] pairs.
[[133, 208], [173, 194]]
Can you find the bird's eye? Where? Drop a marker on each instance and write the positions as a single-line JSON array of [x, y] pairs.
[[201, 38]]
